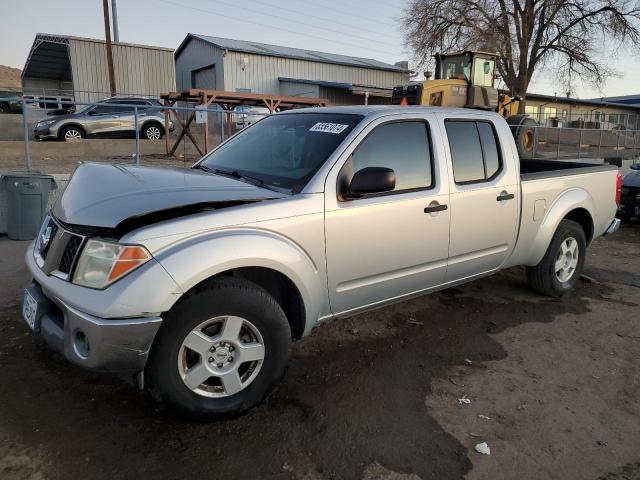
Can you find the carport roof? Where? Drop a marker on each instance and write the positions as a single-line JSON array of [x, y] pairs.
[[289, 52], [49, 55]]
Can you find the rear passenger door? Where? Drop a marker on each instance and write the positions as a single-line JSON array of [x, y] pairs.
[[127, 114], [383, 246], [484, 197]]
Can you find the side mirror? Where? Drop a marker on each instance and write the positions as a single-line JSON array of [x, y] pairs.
[[91, 112], [635, 166], [371, 180]]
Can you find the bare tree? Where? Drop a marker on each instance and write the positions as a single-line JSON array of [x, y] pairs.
[[527, 34]]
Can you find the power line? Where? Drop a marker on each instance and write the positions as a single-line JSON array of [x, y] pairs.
[[360, 16], [306, 14], [252, 22], [279, 17]]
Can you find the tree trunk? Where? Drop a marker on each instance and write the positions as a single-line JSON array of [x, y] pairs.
[[520, 89]]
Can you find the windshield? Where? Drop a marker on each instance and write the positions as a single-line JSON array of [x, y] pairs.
[[458, 66], [282, 151]]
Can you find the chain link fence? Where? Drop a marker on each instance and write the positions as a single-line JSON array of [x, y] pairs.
[[55, 140]]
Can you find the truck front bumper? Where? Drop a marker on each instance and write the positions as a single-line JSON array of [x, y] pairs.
[[115, 345]]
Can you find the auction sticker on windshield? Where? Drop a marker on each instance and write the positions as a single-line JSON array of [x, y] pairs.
[[328, 127]]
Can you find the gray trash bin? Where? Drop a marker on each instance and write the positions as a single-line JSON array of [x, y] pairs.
[[26, 194]]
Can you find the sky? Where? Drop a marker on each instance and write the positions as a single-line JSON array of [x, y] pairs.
[[365, 28]]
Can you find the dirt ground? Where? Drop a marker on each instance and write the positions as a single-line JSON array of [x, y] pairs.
[[554, 386]]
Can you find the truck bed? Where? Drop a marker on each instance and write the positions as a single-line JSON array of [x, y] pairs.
[[537, 169]]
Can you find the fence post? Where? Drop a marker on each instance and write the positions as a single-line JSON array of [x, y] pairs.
[[558, 145], [580, 144], [135, 123], [221, 126], [25, 126], [535, 142]]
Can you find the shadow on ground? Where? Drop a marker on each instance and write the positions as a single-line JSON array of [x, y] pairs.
[[354, 395]]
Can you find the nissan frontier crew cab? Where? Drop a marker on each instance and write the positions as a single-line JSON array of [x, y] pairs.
[[193, 283]]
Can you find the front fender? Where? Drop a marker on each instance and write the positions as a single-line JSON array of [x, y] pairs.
[[565, 203], [191, 261]]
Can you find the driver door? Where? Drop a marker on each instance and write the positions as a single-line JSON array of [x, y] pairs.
[[384, 246], [103, 119]]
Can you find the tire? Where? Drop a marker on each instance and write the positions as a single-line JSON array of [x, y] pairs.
[[525, 139], [545, 278], [71, 133], [152, 131], [4, 108], [171, 360]]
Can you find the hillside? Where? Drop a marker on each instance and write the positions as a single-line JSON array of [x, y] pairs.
[[10, 78]]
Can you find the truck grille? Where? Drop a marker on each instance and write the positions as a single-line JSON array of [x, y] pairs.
[[56, 249]]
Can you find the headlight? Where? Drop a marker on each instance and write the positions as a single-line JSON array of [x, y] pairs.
[[102, 263], [46, 123]]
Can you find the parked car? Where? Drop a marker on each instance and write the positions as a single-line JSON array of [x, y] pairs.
[[194, 282], [245, 115], [10, 106], [630, 194], [113, 117]]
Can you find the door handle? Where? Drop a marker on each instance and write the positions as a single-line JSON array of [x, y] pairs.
[[435, 208], [505, 196]]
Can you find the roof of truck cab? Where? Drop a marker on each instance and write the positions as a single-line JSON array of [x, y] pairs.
[[368, 110]]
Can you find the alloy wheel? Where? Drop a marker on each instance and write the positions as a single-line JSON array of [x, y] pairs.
[[221, 356], [567, 259]]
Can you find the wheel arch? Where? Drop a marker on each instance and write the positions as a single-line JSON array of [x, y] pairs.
[[62, 127], [270, 261], [575, 204], [153, 122]]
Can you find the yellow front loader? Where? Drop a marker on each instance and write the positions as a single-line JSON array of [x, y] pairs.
[[466, 80]]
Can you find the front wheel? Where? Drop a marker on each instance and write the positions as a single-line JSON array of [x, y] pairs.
[[71, 133], [562, 264], [221, 350]]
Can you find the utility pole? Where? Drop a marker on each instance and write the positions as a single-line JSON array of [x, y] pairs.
[[114, 17], [107, 34]]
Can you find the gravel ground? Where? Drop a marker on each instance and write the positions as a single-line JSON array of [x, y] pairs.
[[554, 387]]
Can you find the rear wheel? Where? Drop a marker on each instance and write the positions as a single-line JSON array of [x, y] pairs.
[[526, 138], [221, 350], [152, 131], [71, 133], [561, 267]]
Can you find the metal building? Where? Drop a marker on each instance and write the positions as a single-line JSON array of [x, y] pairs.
[[242, 66], [64, 66]]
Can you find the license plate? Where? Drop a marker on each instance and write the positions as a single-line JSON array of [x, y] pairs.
[[29, 310]]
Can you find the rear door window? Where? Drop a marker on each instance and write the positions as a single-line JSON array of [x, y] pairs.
[[474, 151]]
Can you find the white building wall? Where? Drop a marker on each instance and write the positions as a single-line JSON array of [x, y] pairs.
[[139, 70], [260, 73]]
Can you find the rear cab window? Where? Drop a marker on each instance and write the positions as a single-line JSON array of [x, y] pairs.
[[475, 152]]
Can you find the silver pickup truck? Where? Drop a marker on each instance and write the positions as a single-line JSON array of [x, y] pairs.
[[193, 283]]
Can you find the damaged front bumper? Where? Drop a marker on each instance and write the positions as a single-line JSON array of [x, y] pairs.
[[118, 346]]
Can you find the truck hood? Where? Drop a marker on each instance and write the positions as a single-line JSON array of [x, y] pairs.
[[105, 196]]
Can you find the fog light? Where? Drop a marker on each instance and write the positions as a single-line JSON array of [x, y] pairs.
[[81, 344]]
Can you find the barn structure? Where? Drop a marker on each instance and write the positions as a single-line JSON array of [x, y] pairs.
[[76, 68], [214, 63]]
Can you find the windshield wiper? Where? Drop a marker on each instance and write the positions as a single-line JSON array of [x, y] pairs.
[[243, 177], [204, 168]]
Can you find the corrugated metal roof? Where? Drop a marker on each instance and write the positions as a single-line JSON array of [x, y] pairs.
[[288, 52]]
